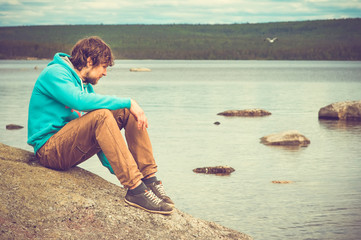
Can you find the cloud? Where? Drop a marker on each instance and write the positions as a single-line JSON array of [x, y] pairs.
[[45, 12]]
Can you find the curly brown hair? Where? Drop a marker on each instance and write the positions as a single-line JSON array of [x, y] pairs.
[[93, 47]]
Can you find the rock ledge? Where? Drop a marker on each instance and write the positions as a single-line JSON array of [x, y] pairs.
[[40, 203]]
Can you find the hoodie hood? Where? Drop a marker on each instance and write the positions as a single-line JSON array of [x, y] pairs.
[[63, 59]]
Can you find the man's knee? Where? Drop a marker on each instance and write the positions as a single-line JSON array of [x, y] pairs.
[[121, 116], [102, 114]]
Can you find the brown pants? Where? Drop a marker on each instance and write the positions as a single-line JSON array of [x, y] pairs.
[[99, 130]]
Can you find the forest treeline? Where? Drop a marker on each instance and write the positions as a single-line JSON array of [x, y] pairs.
[[338, 39]]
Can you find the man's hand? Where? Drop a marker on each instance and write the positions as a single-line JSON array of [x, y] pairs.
[[139, 115]]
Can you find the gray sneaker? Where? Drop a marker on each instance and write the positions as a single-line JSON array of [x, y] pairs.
[[149, 202], [158, 189]]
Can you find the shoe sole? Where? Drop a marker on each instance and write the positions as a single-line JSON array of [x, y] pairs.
[[170, 204], [148, 210]]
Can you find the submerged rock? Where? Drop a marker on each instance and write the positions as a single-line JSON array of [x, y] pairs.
[[222, 170], [350, 110], [288, 138], [40, 203], [245, 113], [282, 182], [13, 127], [140, 70]]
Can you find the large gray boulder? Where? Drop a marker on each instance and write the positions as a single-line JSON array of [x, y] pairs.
[[350, 110], [287, 138], [40, 203]]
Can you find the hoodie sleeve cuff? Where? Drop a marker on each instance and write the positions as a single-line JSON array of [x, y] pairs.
[[128, 103]]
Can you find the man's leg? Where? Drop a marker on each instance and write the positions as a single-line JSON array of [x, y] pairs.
[[83, 137], [140, 146], [138, 142]]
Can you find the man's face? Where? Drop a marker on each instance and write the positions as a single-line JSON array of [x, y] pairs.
[[93, 74]]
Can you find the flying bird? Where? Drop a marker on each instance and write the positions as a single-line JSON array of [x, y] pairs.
[[271, 40]]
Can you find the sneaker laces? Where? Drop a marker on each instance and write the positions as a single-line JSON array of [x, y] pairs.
[[160, 189], [152, 197]]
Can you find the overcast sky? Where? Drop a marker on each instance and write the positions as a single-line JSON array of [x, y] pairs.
[[58, 12]]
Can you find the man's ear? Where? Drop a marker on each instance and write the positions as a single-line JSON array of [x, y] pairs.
[[89, 62]]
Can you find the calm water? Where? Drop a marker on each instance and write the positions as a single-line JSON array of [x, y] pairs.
[[182, 99]]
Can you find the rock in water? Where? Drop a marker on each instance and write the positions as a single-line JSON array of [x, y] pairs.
[[222, 170], [350, 110], [245, 113], [40, 203], [13, 127], [288, 138], [140, 70]]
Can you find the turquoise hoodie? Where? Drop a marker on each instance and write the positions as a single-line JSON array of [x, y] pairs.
[[58, 97]]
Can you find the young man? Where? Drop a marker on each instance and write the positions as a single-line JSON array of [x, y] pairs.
[[68, 123]]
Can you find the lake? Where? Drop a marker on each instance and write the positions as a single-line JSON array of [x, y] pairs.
[[182, 99]]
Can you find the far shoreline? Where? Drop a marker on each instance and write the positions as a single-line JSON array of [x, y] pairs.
[[177, 59]]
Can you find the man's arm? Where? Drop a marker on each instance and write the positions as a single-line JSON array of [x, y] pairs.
[[139, 114], [60, 86]]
